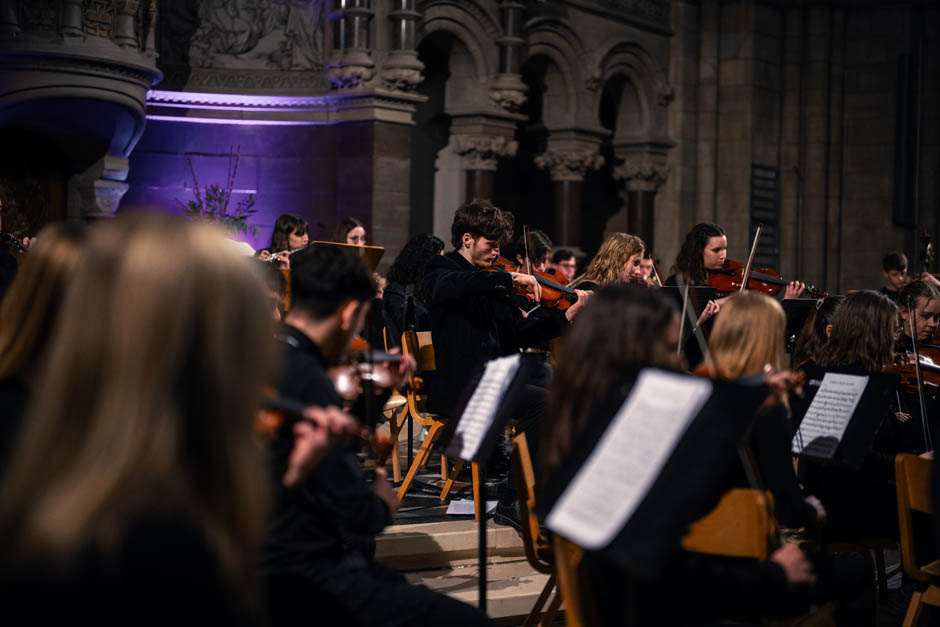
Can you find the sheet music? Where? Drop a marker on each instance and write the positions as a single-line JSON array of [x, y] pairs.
[[480, 412], [828, 415], [615, 479]]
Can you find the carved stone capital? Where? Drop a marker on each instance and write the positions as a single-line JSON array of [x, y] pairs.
[[665, 93], [402, 71], [508, 92], [595, 81], [642, 174], [481, 152], [569, 165], [350, 69], [97, 192]]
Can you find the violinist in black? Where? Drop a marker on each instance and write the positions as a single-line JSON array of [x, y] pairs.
[[318, 559]]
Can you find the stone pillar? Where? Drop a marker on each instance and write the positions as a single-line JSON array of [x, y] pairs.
[[351, 62], [9, 22], [508, 91], [97, 192], [125, 23], [567, 168], [480, 154], [71, 21], [642, 178], [402, 69]]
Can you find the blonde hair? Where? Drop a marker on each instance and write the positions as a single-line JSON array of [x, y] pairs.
[[748, 334], [31, 305], [608, 264], [154, 370]]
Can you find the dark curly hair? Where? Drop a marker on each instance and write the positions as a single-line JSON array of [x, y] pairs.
[[408, 267], [481, 218], [690, 262]]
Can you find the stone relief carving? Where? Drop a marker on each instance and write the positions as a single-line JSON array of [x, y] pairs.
[[481, 152], [97, 17], [665, 93], [569, 165], [401, 78], [259, 34], [39, 15], [642, 173]]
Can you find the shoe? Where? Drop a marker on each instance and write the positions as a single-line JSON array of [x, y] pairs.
[[507, 515]]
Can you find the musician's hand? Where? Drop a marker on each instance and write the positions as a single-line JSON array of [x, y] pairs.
[[818, 506], [314, 436], [384, 490], [283, 260], [927, 277], [794, 290], [926, 455], [902, 416], [29, 241], [583, 297], [796, 567], [394, 374], [526, 284], [264, 254], [711, 308]]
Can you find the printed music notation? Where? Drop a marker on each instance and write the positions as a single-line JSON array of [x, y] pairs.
[[629, 457], [480, 412], [829, 414]]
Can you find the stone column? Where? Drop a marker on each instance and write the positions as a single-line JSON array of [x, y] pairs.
[[480, 154], [567, 168], [508, 91], [9, 21], [125, 23], [642, 178], [70, 24], [351, 61], [402, 69]]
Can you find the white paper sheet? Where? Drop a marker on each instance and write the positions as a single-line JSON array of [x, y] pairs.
[[615, 479], [464, 507], [478, 416], [829, 414]]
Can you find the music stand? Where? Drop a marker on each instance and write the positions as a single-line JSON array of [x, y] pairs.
[[372, 255]]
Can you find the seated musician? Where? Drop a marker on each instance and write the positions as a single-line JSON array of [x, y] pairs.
[[647, 271], [618, 260], [860, 504], [350, 231], [565, 264], [627, 327], [815, 331], [473, 317], [291, 233], [404, 305], [924, 299], [318, 558], [894, 273]]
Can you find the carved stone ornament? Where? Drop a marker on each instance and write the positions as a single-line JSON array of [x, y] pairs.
[[481, 152], [642, 174], [665, 93], [402, 71], [569, 165], [595, 81], [508, 92], [348, 76]]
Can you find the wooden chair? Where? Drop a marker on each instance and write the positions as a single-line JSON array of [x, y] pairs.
[[568, 557], [538, 551], [418, 344], [912, 474]]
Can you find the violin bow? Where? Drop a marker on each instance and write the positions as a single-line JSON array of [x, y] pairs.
[[688, 314], [928, 441], [656, 274], [750, 259]]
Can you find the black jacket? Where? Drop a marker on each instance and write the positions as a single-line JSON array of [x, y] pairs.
[[397, 319], [472, 320], [324, 529]]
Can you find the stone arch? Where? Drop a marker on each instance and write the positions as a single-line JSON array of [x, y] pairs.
[[641, 82], [556, 41], [473, 26]]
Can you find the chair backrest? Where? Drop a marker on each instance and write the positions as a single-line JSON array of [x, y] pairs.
[[524, 479], [418, 343], [739, 526], [567, 564], [912, 474]]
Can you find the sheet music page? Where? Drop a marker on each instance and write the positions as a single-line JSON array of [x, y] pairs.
[[615, 479], [828, 415], [481, 409]]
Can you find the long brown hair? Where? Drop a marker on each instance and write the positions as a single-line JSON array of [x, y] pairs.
[[31, 305], [862, 333], [624, 326], [748, 334], [813, 334], [155, 367], [690, 262], [608, 264]]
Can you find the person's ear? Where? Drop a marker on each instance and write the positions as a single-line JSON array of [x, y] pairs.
[[467, 240], [347, 314], [828, 330]]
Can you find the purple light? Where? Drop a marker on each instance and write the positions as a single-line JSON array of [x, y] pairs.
[[239, 122]]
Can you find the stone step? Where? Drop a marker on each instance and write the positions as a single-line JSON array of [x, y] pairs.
[[512, 587], [439, 544]]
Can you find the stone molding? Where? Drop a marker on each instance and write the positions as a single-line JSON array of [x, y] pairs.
[[644, 12], [482, 152], [642, 174], [508, 92], [569, 165]]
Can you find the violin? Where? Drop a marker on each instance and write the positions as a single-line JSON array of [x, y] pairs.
[[356, 366], [277, 411], [929, 367], [727, 280], [554, 294]]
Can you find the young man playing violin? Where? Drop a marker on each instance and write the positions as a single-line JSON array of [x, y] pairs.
[[318, 557], [474, 318]]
